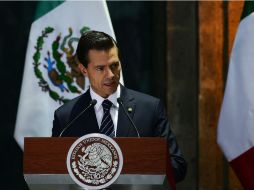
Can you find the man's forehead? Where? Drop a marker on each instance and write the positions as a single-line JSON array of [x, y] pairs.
[[110, 62]]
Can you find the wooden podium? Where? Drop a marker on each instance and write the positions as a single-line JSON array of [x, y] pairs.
[[146, 161]]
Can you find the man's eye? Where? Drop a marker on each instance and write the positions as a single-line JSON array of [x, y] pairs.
[[99, 68], [114, 66]]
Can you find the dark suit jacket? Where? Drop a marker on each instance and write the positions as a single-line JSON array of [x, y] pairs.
[[147, 113]]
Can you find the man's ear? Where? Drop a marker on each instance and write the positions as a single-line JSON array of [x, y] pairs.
[[82, 69]]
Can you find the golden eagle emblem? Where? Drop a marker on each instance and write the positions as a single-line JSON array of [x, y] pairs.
[[61, 74]]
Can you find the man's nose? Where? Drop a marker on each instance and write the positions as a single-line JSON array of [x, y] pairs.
[[109, 73]]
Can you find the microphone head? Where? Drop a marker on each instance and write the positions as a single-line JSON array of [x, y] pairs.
[[93, 102], [119, 100]]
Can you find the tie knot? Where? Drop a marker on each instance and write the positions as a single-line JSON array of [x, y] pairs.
[[106, 104]]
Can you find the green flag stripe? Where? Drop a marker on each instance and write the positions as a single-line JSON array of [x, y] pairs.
[[44, 7], [247, 9]]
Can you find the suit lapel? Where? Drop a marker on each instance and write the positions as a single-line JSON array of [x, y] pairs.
[[123, 124], [87, 122]]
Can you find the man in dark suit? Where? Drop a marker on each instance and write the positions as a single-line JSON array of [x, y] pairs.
[[98, 58]]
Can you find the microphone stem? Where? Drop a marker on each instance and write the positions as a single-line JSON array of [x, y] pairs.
[[73, 120], [129, 118]]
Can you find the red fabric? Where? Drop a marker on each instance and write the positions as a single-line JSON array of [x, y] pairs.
[[170, 176], [243, 166], [169, 172]]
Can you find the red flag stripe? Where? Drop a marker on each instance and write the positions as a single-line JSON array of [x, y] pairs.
[[243, 166]]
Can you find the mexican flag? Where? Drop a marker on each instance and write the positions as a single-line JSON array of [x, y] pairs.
[[236, 122], [51, 76]]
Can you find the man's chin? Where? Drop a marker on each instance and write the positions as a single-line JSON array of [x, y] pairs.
[[110, 90]]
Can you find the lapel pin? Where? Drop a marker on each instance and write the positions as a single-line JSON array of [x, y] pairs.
[[129, 110]]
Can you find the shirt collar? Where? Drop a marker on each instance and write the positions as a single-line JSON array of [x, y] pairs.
[[113, 98]]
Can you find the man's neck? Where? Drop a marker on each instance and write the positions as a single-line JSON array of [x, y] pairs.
[[112, 97]]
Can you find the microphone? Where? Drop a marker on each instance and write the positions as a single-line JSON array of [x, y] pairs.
[[92, 103], [119, 100]]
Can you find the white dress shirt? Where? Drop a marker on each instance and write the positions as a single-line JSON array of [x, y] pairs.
[[113, 110]]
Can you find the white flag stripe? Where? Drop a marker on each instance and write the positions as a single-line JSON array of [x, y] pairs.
[[87, 13], [236, 123], [36, 108]]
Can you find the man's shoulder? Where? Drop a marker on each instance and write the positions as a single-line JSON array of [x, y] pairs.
[[142, 97], [70, 104]]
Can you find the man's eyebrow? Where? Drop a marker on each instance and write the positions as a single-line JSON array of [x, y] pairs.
[[99, 65]]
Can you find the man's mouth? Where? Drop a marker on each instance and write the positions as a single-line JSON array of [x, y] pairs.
[[109, 84]]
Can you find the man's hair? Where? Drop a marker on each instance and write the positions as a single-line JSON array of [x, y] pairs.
[[93, 40]]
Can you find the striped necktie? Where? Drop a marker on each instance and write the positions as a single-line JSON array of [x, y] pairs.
[[107, 125]]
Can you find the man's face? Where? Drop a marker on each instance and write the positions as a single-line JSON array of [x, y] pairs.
[[103, 71]]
